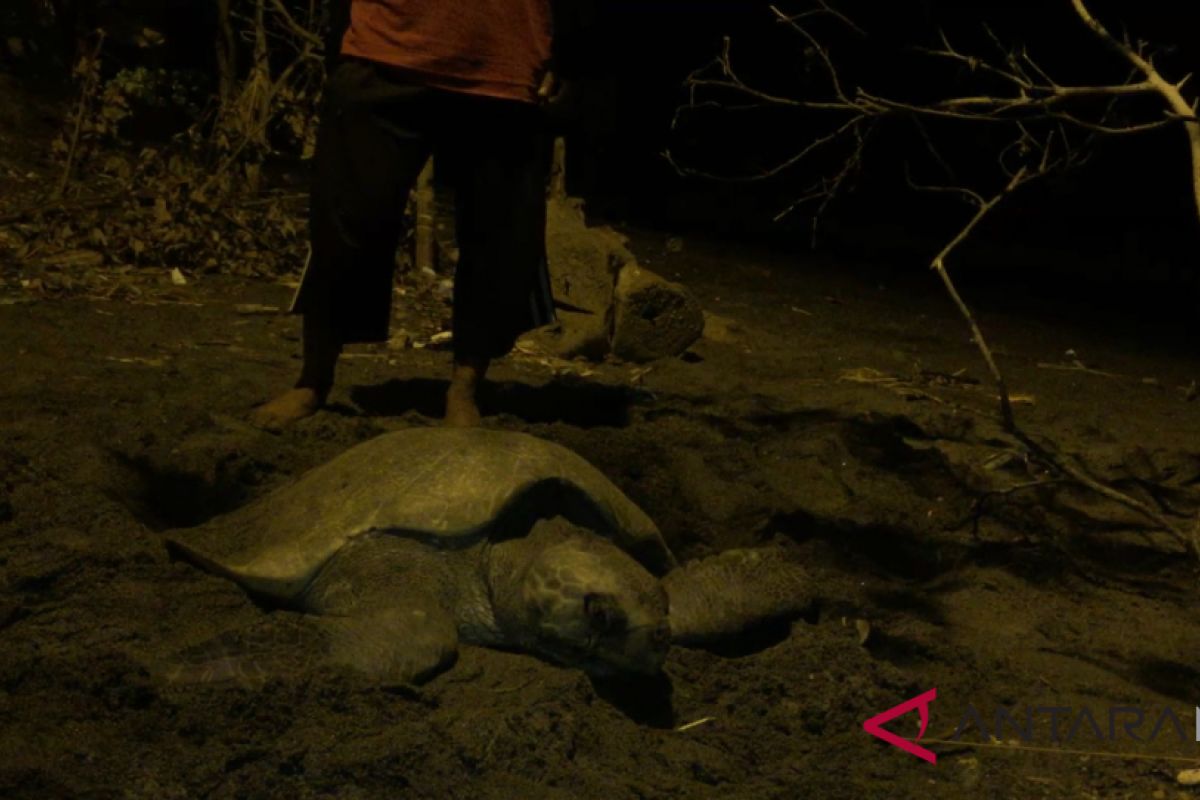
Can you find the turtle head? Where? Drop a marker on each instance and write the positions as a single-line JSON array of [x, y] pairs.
[[590, 605]]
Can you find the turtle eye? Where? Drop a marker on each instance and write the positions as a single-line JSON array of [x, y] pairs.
[[603, 613]]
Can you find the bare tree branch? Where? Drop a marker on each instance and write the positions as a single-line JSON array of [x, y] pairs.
[[1170, 92], [298, 30], [1055, 125]]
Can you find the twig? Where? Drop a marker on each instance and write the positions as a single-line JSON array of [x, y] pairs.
[[252, 134], [1187, 540], [939, 264], [307, 36], [226, 54], [976, 510], [85, 98], [1078, 367]]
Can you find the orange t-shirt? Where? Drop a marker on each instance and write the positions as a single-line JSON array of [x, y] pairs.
[[498, 48]]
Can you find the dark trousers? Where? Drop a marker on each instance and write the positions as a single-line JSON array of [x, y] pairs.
[[377, 129]]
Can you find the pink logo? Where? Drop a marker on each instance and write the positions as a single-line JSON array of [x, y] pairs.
[[874, 725]]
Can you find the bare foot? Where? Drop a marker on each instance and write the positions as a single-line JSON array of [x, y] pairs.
[[462, 407], [292, 405], [462, 411]]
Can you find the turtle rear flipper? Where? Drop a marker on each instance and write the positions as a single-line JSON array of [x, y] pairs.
[[724, 596], [391, 647], [374, 610], [281, 646]]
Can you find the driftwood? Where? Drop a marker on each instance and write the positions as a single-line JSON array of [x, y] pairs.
[[607, 303], [653, 318]]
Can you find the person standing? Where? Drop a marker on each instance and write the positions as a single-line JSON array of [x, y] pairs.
[[466, 82]]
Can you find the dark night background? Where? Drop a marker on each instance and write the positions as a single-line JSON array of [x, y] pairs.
[[646, 49], [1122, 230], [831, 403]]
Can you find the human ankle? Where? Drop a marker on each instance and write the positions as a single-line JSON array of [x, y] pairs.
[[468, 372], [320, 393]]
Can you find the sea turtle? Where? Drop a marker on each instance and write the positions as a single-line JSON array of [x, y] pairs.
[[407, 544]]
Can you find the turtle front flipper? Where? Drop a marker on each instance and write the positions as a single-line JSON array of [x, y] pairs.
[[391, 646], [718, 598], [395, 645]]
